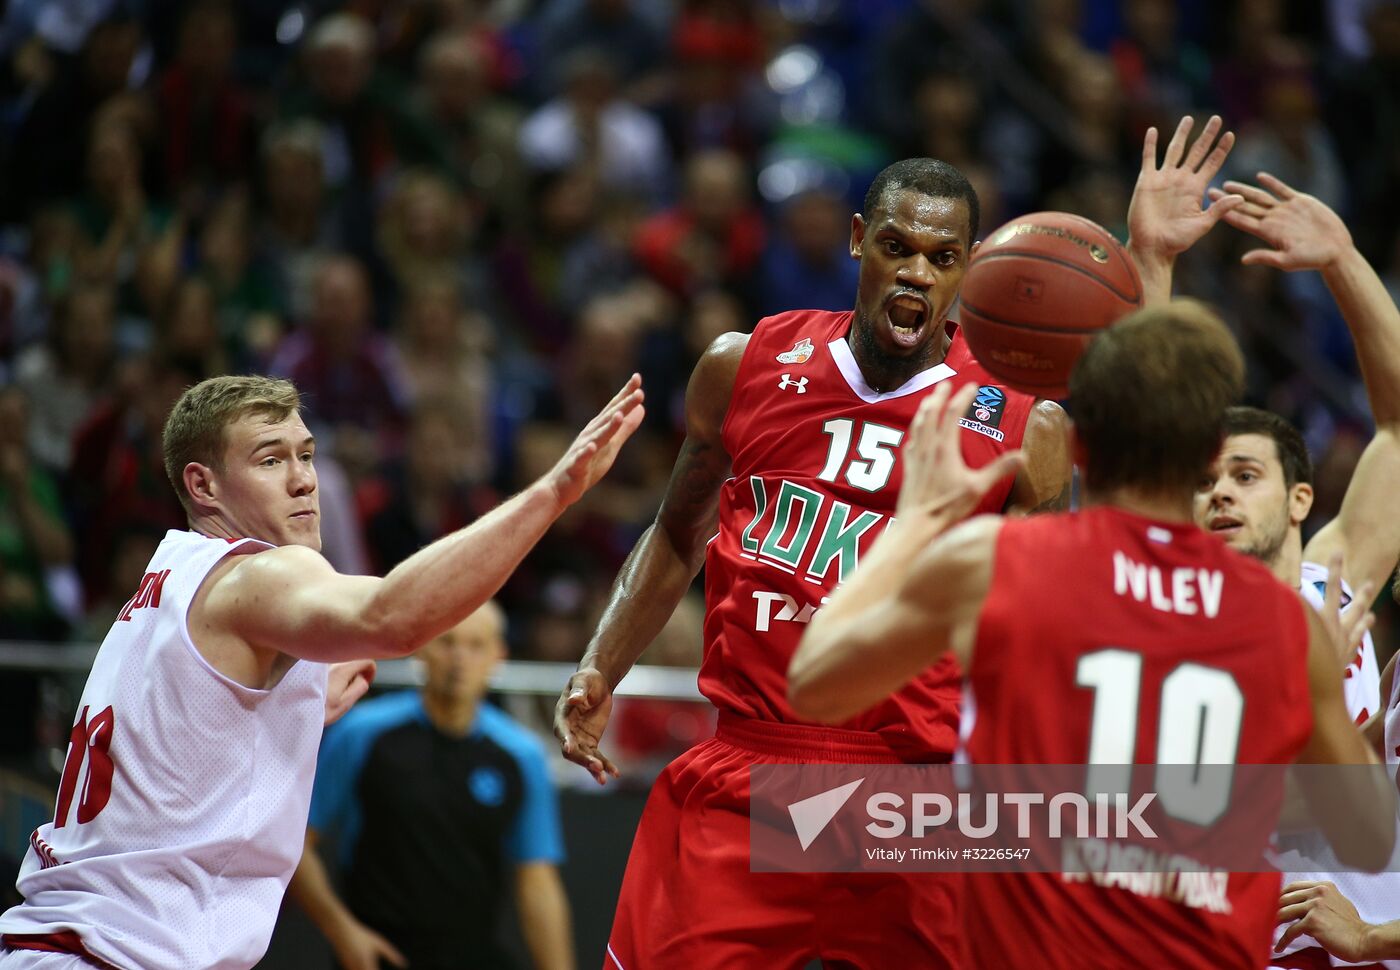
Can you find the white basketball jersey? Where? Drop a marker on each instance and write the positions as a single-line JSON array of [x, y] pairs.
[[182, 808], [1376, 896], [1361, 683]]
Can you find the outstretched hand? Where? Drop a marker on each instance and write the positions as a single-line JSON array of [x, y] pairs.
[[1165, 217], [937, 480], [1302, 232], [592, 452]]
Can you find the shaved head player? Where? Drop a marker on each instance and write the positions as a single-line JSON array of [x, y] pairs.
[[789, 472]]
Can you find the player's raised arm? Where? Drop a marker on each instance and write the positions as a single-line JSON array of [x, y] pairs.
[[660, 567], [1165, 217], [1355, 803], [861, 646], [1302, 233], [291, 600]]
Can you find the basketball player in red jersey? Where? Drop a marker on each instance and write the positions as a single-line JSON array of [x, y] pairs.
[[1143, 606], [792, 456]]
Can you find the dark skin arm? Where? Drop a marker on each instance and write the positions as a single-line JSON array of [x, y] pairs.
[[662, 564], [1043, 484]]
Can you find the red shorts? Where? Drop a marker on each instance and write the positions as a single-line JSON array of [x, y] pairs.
[[689, 900]]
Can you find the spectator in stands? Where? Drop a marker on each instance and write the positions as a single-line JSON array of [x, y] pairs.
[[65, 375], [590, 123], [117, 480], [122, 228], [35, 542], [206, 117], [470, 132], [362, 111], [46, 163], [808, 264], [348, 373], [440, 804], [249, 307], [446, 357], [714, 237], [299, 225], [424, 227], [624, 30], [428, 493]]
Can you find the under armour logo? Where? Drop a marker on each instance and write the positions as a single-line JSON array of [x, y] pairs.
[[787, 381]]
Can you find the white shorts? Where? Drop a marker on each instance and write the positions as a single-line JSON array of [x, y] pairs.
[[40, 960]]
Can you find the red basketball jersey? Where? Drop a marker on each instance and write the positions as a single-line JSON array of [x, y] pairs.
[[1138, 641], [816, 466]]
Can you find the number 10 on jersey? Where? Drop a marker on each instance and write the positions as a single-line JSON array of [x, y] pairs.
[[1198, 726]]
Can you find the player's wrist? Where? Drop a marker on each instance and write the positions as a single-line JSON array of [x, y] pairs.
[[1378, 942], [1345, 260]]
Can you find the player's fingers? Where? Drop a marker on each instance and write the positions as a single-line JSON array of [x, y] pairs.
[[389, 952], [597, 769], [1007, 463], [1252, 193], [1288, 914], [1149, 150], [957, 407], [1251, 209], [1332, 594], [1291, 934], [1176, 148], [634, 384], [1277, 186], [1364, 593], [1298, 884], [1223, 205], [928, 419], [628, 397], [1197, 152], [1264, 257], [1216, 159]]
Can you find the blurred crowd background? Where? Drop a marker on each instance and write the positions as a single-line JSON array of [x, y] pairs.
[[459, 225]]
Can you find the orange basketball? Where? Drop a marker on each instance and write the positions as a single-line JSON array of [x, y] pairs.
[[1035, 293]]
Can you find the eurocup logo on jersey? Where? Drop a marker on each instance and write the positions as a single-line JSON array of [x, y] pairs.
[[984, 415]]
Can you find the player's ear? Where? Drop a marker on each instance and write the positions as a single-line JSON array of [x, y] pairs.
[[200, 484], [973, 251], [1300, 500], [857, 235]]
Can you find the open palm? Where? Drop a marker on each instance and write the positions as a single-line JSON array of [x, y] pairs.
[[1165, 215], [1301, 231], [592, 452]]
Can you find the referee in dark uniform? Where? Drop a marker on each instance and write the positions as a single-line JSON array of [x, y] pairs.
[[439, 804]]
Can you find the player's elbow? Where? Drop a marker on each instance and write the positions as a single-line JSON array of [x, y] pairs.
[[1364, 838], [1366, 847], [387, 633]]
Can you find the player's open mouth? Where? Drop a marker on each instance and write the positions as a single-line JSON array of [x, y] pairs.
[[907, 315], [1226, 525]]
